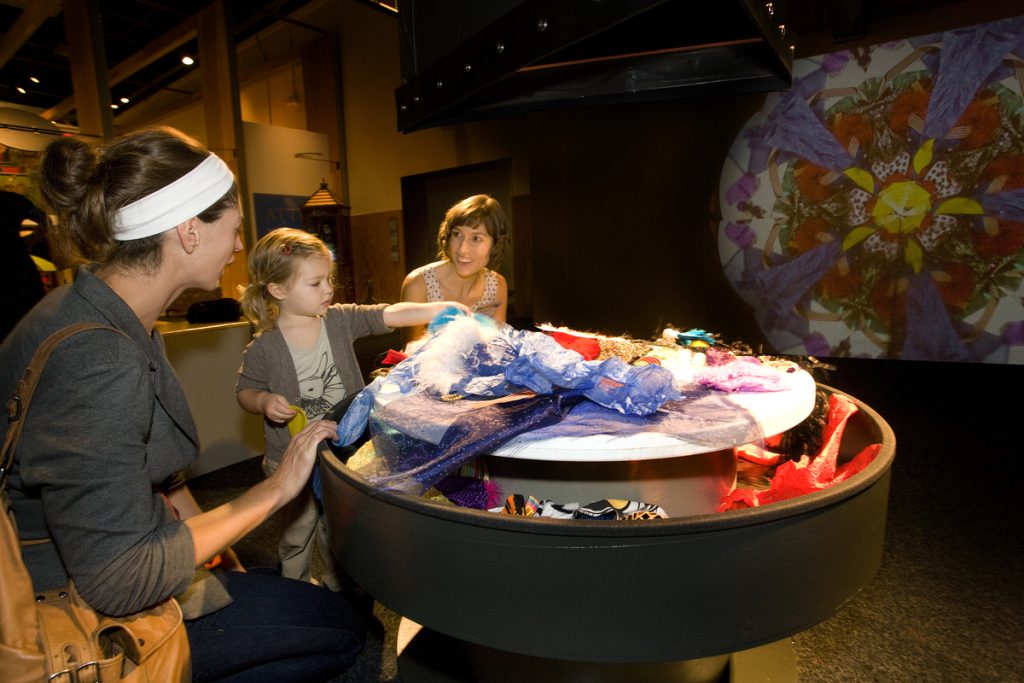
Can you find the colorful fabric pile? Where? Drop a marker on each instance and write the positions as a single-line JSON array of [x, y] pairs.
[[473, 386]]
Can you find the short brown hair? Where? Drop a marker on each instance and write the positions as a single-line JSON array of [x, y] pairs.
[[480, 209]]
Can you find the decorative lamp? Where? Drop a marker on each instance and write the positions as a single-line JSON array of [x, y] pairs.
[[328, 217]]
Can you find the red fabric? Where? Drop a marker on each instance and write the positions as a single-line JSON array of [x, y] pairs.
[[758, 455], [588, 347], [393, 357], [793, 479]]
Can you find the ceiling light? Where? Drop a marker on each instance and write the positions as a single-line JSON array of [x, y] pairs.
[[113, 106], [21, 90], [33, 79], [187, 61], [124, 100]]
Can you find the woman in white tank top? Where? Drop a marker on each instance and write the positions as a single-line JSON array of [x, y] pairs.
[[471, 240]]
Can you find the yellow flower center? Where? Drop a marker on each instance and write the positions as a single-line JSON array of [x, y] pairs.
[[902, 207]]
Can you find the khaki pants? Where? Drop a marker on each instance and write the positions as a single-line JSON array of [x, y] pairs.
[[303, 525]]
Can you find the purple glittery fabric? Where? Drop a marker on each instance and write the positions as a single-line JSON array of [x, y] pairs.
[[413, 465]]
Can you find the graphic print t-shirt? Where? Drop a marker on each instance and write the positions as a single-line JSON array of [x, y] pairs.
[[319, 383]]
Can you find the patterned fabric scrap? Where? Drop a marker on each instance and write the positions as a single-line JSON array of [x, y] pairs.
[[605, 509], [469, 492], [520, 505]]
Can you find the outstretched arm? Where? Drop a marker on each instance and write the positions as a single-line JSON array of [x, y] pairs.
[[409, 313], [219, 528]]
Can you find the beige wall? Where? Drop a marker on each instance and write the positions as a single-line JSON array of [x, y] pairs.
[[276, 100], [379, 155], [188, 120], [272, 167]]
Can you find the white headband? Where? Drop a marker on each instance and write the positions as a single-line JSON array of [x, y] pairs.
[[172, 204]]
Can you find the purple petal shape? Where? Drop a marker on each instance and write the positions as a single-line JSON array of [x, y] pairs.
[[742, 189], [780, 287], [792, 126], [817, 345], [930, 334], [833, 62], [1013, 333], [1008, 205], [740, 234], [969, 56]]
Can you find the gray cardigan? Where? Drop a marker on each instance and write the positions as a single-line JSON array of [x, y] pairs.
[[108, 423], [267, 364]]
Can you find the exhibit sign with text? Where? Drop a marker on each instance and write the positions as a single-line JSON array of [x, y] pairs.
[[277, 211]]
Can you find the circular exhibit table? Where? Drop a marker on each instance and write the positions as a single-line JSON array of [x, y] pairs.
[[684, 474], [695, 597]]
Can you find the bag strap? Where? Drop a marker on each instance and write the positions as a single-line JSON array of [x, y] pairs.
[[18, 402]]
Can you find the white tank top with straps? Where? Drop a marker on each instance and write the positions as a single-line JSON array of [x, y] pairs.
[[488, 299]]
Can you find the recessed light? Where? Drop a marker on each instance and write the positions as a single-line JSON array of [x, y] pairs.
[[33, 79], [187, 61], [21, 90], [124, 100]]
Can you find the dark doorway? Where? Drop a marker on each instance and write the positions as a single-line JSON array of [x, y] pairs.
[[427, 196]]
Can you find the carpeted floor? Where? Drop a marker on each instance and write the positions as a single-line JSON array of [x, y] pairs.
[[946, 604]]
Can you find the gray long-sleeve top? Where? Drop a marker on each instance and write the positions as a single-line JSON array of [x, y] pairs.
[[267, 363], [108, 423]]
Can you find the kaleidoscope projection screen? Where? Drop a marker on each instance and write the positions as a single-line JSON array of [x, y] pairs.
[[876, 209]]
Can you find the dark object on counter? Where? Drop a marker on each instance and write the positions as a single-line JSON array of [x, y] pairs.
[[226, 310]]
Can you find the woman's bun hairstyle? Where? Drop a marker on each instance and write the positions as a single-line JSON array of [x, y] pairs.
[[84, 185]]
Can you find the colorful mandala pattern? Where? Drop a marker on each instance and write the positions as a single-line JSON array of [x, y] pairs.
[[876, 209]]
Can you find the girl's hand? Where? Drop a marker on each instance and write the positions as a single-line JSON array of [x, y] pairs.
[[441, 305], [297, 462], [277, 408], [409, 313]]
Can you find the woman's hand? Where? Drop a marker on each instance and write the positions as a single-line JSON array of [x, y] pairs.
[[298, 459], [215, 530]]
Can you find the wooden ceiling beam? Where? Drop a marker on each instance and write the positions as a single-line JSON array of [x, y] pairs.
[[88, 67], [30, 19], [168, 42]]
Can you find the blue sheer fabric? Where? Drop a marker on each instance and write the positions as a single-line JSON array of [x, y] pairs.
[[420, 439], [513, 360]]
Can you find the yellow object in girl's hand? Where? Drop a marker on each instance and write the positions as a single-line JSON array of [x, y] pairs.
[[297, 422]]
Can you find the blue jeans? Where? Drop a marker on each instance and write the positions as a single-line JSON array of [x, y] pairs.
[[275, 630]]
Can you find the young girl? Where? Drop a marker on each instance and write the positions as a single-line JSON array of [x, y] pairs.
[[302, 357], [472, 240]]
